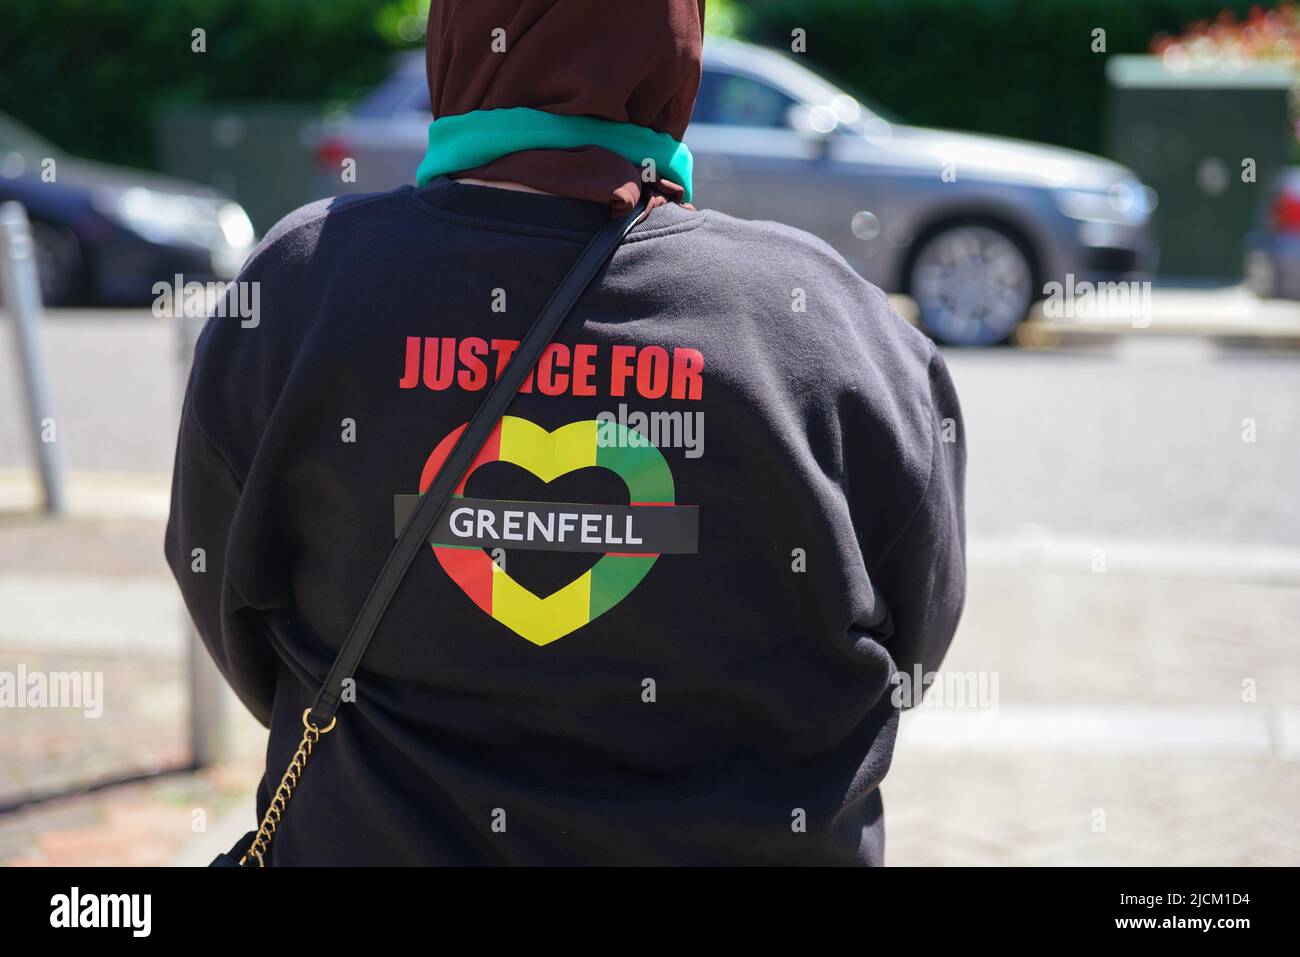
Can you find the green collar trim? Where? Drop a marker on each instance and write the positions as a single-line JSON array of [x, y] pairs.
[[474, 139]]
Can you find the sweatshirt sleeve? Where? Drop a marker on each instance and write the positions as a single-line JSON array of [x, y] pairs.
[[206, 496], [921, 574]]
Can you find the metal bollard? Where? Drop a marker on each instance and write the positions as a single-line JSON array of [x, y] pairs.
[[205, 686], [20, 294]]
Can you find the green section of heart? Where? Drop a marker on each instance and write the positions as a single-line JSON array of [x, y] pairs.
[[642, 467], [613, 578]]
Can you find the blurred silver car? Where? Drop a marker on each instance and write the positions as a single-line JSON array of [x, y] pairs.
[[971, 227]]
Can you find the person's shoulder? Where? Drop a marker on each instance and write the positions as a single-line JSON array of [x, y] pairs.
[[767, 230], [779, 284], [750, 236], [766, 254], [769, 251], [299, 233]]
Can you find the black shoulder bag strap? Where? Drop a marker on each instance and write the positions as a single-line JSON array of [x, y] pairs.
[[322, 715]]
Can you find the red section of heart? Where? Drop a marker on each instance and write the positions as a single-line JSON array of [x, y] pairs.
[[490, 452], [471, 569]]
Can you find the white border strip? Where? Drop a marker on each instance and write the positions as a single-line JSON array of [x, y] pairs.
[[1257, 564], [1249, 730]]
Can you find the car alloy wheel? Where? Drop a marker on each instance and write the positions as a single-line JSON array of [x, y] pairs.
[[972, 283]]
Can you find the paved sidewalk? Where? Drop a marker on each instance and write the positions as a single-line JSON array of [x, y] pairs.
[[1120, 734], [1057, 807], [176, 819], [92, 595], [1229, 315]]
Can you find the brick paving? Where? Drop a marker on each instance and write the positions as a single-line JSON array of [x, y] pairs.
[[1101, 645], [144, 824]]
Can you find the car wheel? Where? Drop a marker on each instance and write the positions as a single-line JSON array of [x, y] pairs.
[[58, 262], [973, 283]]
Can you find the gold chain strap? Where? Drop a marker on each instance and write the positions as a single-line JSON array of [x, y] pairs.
[[292, 775]]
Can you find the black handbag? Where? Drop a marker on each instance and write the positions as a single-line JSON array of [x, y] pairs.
[[320, 718]]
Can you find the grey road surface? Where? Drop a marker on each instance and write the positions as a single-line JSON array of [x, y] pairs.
[[1143, 441]]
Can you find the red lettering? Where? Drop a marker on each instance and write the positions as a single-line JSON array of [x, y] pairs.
[[622, 370], [688, 369], [411, 376], [437, 374], [584, 369], [652, 372], [474, 376], [504, 348], [548, 380], [473, 363]]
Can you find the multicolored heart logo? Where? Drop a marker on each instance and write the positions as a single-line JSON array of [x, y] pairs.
[[549, 455]]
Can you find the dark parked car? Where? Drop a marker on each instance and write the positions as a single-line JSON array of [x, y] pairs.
[[106, 234], [971, 227]]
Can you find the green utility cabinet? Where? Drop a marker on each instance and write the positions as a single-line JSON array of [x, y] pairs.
[[1187, 133]]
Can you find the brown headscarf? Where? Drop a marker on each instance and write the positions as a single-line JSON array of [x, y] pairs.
[[630, 61]]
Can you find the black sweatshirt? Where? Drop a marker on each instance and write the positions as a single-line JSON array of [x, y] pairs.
[[661, 623]]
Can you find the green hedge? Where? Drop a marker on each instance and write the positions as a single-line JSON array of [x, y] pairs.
[[1014, 67], [90, 74]]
